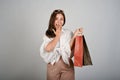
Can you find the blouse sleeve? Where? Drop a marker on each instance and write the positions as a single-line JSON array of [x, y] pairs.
[[70, 37], [47, 56], [43, 53]]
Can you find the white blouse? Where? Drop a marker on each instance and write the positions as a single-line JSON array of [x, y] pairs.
[[61, 49]]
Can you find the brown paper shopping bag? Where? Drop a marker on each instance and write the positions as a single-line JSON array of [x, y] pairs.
[[81, 52], [78, 52]]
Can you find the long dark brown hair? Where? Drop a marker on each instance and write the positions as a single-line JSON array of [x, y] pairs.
[[49, 31]]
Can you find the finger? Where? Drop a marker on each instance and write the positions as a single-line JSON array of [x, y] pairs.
[[60, 27], [81, 29], [79, 34]]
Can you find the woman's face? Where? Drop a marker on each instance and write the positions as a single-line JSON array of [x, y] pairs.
[[59, 20]]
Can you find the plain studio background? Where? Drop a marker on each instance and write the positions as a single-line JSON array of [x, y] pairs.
[[23, 23]]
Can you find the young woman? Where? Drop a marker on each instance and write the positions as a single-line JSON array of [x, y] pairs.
[[56, 49]]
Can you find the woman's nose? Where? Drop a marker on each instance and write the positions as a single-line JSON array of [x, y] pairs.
[[59, 21]]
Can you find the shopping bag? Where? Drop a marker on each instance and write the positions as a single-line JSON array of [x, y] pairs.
[[81, 52], [86, 55], [78, 51]]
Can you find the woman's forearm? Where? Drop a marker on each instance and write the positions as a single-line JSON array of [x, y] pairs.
[[51, 45]]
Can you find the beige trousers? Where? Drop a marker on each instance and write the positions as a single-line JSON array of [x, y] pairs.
[[60, 71]]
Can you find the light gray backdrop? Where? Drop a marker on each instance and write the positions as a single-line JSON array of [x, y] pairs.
[[23, 23]]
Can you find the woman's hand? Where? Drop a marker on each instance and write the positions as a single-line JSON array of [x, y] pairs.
[[51, 45], [78, 32], [58, 31]]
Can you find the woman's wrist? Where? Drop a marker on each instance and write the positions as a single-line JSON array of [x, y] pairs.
[[57, 36]]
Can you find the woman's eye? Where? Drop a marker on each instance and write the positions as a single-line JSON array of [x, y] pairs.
[[55, 18]]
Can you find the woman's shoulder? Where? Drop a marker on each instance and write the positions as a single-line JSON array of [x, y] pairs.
[[67, 30]]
